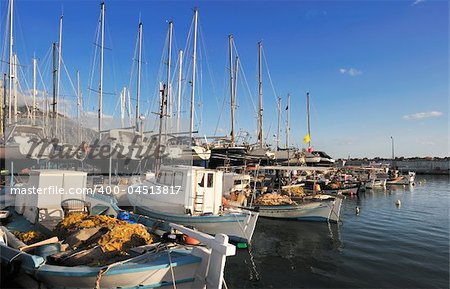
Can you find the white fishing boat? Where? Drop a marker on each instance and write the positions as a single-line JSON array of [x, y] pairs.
[[320, 208], [191, 196], [407, 179], [375, 183], [290, 201], [165, 264]]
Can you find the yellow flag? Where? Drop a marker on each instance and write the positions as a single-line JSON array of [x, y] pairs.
[[306, 139]]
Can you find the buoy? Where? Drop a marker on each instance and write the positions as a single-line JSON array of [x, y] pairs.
[[190, 241], [357, 210], [398, 203]]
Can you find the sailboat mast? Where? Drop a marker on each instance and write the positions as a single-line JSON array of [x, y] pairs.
[[169, 64], [288, 119], [138, 85], [122, 104], [236, 68], [11, 56], [59, 66], [130, 112], [194, 66], [230, 52], [278, 122], [3, 107], [260, 102], [100, 86], [34, 91], [15, 62], [309, 121], [54, 103], [161, 116], [180, 60], [79, 106]]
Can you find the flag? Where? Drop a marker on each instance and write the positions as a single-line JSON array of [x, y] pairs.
[[306, 139]]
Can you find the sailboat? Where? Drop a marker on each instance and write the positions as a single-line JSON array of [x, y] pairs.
[[23, 144], [189, 195], [312, 157]]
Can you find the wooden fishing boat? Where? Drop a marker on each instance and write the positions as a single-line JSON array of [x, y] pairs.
[[319, 208], [162, 264], [192, 196]]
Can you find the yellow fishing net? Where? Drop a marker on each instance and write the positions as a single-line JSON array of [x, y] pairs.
[[295, 191], [274, 199], [120, 235], [29, 237]]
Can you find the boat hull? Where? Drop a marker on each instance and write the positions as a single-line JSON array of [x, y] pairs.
[[142, 275], [322, 211], [238, 226]]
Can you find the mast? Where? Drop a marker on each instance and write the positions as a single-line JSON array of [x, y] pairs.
[[3, 108], [122, 104], [15, 62], [169, 60], [260, 102], [100, 86], [194, 66], [130, 112], [161, 116], [288, 119], [34, 91], [79, 103], [279, 122], [138, 85], [180, 57], [230, 52], [236, 65], [11, 56], [309, 121], [54, 103], [59, 66]]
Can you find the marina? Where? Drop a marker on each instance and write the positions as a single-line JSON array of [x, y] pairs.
[[195, 170]]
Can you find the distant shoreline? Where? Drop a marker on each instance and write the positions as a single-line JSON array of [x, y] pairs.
[[425, 166]]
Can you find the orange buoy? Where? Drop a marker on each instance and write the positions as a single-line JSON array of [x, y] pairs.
[[190, 241]]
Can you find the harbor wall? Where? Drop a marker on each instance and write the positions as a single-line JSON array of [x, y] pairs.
[[433, 167], [428, 166]]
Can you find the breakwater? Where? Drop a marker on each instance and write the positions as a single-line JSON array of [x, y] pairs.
[[425, 166]]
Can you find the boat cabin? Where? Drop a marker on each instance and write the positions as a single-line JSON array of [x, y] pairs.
[[183, 190]]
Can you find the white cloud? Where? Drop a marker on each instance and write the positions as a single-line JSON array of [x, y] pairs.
[[422, 115], [417, 2], [350, 71]]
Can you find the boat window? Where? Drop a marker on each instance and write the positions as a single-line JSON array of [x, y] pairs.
[[210, 180], [202, 182], [178, 179], [166, 178]]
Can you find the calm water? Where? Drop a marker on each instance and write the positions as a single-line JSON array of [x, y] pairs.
[[385, 246]]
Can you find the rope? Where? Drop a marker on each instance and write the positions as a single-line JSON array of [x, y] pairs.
[[242, 229], [171, 268]]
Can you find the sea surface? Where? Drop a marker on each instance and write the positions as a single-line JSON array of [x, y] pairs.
[[384, 246]]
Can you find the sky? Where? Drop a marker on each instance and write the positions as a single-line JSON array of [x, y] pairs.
[[374, 69]]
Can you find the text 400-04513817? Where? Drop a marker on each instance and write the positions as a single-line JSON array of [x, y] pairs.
[[154, 190]]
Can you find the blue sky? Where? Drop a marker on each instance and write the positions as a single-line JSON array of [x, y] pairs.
[[374, 69]]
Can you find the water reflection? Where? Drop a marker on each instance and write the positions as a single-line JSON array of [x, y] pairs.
[[286, 248]]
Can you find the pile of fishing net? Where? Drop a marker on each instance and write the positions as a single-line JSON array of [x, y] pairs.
[[114, 235], [274, 200], [29, 237], [295, 191], [335, 185]]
